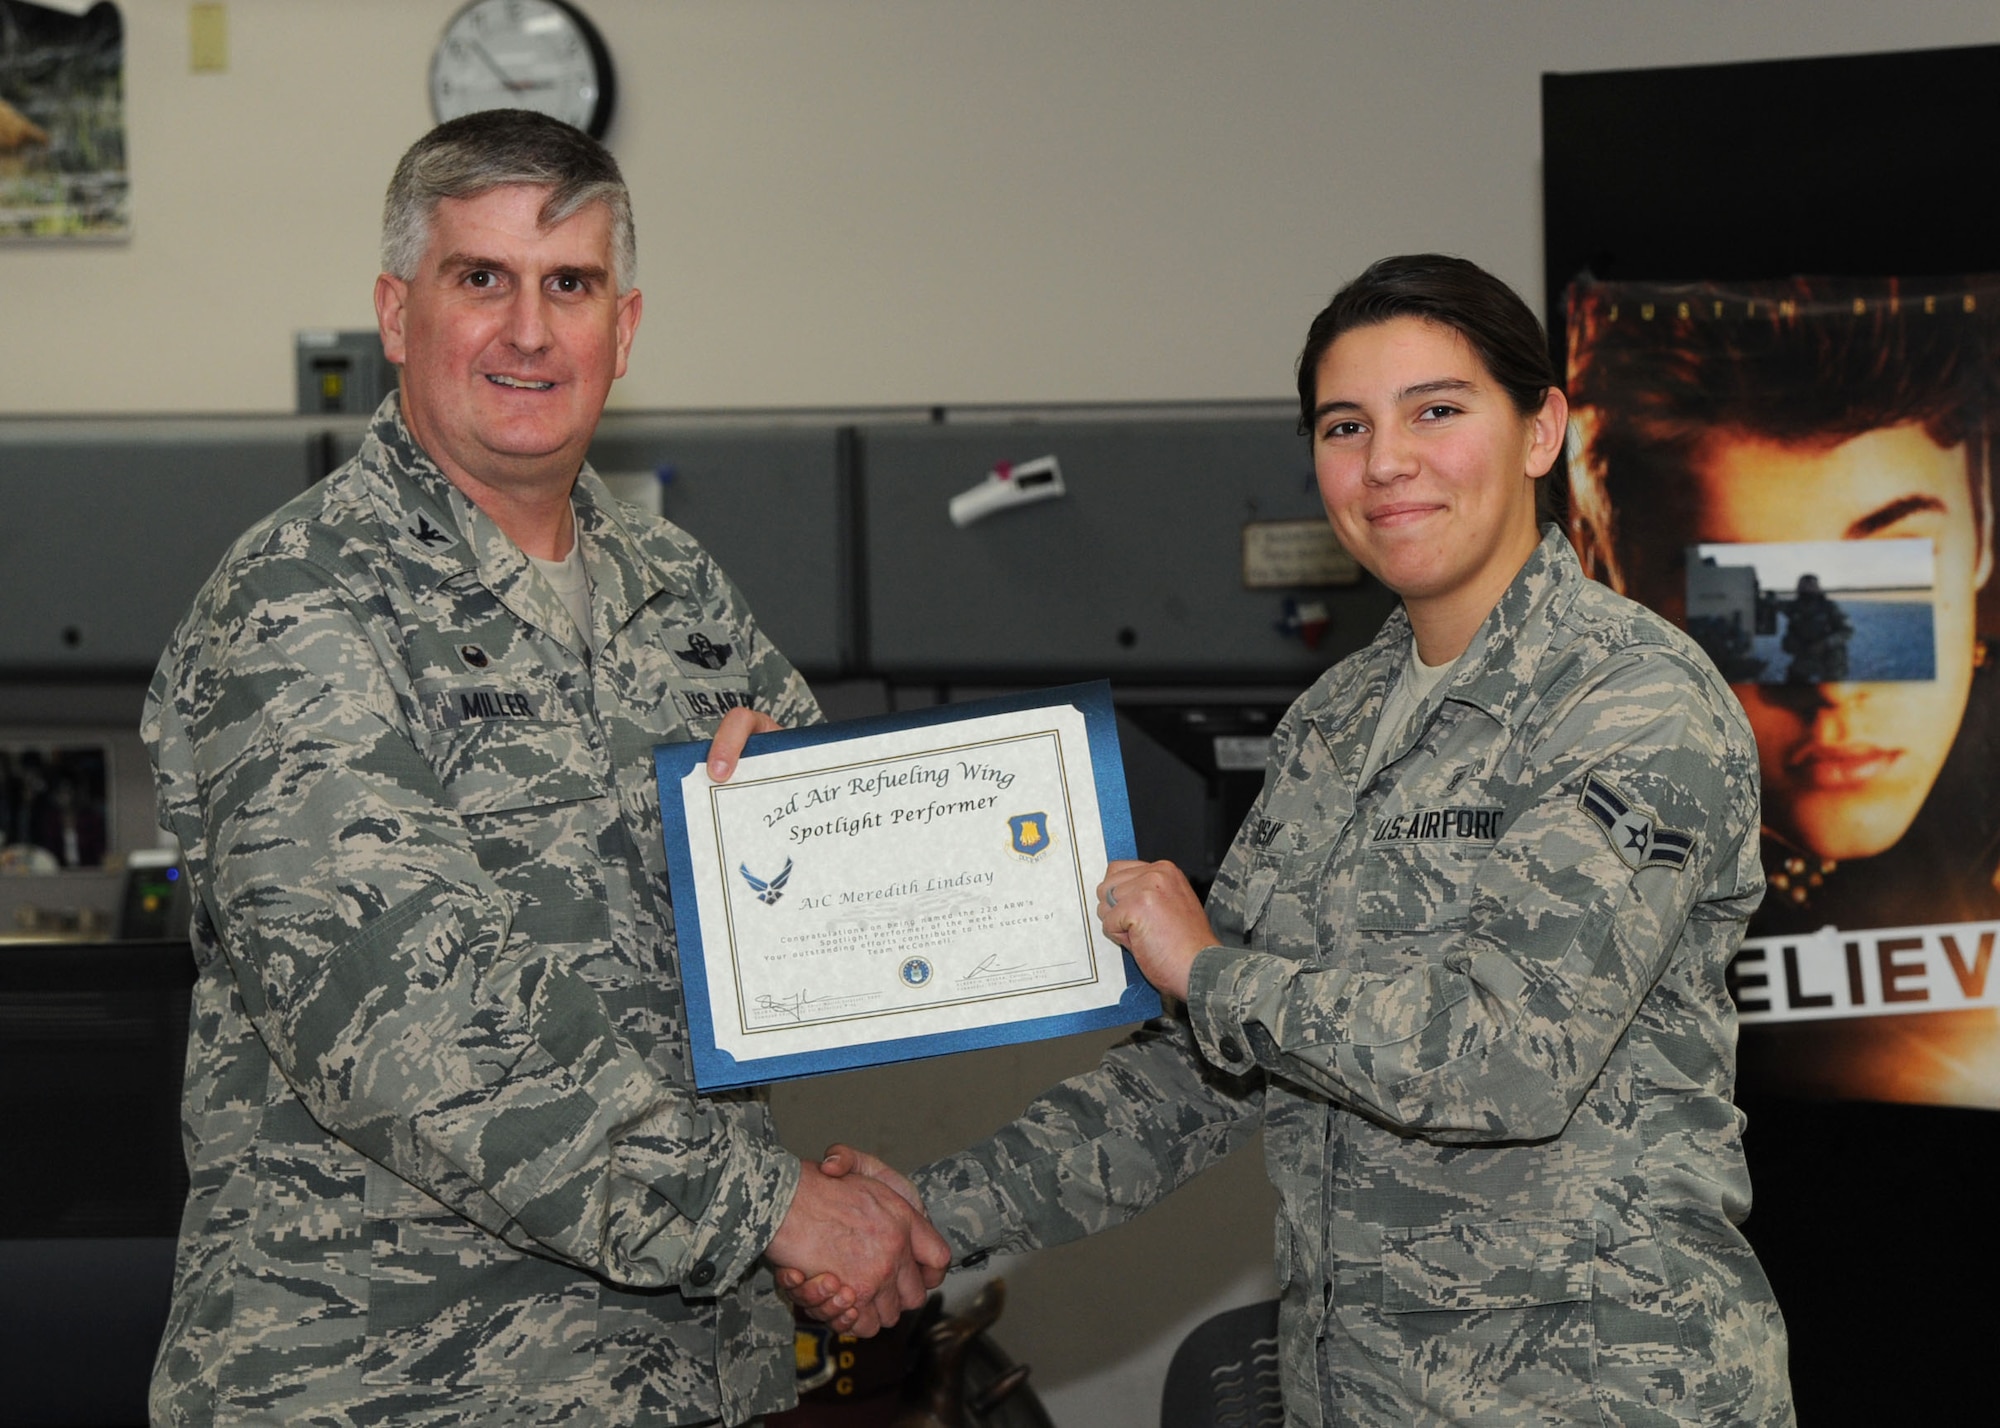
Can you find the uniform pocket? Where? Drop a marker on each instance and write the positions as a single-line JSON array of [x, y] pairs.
[[1414, 887], [700, 669], [1511, 1264], [1492, 1322], [496, 751], [1249, 875]]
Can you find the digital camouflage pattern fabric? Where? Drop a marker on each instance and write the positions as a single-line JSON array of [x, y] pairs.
[[447, 1161], [1477, 1007]]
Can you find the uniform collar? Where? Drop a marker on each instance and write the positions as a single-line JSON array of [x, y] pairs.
[[1497, 669], [441, 537]]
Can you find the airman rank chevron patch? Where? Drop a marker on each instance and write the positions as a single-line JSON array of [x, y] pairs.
[[1635, 835]]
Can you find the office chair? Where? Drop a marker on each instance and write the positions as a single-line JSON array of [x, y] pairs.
[[1225, 1373]]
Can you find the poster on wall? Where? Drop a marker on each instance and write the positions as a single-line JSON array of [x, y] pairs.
[[1799, 473], [62, 123]]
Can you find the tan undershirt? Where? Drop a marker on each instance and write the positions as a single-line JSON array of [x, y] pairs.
[[1413, 685]]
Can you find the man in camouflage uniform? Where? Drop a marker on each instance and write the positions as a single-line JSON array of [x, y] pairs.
[[447, 1161]]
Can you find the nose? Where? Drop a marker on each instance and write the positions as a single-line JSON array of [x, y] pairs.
[[1827, 706], [527, 321], [1391, 455]]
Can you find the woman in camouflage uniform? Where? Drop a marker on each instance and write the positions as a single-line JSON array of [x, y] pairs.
[[1464, 964]]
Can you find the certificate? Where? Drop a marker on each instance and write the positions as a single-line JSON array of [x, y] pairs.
[[899, 887]]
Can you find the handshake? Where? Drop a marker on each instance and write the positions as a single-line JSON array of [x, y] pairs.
[[856, 1249]]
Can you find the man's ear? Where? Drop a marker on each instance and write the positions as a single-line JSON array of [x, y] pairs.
[[391, 293], [630, 305]]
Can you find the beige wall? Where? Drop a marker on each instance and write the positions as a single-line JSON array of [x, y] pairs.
[[847, 202]]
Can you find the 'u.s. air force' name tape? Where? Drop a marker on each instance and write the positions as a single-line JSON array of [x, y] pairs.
[[1635, 835], [1885, 971], [1432, 825]]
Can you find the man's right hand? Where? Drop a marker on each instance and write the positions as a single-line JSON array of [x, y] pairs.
[[866, 1238]]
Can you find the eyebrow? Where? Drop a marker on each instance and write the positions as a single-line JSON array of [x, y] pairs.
[[466, 262], [1417, 389], [1885, 516], [472, 262]]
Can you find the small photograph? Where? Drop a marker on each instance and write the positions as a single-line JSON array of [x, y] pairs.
[[53, 813], [1815, 612], [62, 123]]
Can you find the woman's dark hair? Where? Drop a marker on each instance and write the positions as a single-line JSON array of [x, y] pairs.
[[1452, 293]]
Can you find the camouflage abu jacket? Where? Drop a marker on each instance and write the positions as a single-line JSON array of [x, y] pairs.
[[447, 1161], [1477, 1006]]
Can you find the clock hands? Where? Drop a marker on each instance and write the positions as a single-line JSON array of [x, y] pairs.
[[507, 81]]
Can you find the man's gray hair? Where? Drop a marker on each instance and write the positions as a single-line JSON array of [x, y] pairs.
[[501, 148]]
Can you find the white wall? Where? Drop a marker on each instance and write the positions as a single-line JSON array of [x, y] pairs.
[[860, 202], [850, 202]]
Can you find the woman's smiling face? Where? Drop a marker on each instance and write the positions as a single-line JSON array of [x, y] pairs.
[[1425, 466]]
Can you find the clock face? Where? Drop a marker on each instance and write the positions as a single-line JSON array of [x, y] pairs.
[[523, 54]]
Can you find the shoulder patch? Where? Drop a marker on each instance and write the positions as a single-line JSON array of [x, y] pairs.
[[1634, 834]]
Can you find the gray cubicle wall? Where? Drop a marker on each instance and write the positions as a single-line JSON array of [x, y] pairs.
[[108, 527], [1136, 573], [770, 503]]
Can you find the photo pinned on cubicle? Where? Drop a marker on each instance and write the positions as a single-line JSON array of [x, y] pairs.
[[1813, 612], [54, 813]]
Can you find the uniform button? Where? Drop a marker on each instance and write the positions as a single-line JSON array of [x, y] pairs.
[[1229, 1049], [701, 1274]]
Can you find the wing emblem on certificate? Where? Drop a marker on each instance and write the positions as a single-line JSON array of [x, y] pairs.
[[899, 887]]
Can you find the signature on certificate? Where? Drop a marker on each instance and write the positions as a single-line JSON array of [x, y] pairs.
[[793, 1005], [991, 967]]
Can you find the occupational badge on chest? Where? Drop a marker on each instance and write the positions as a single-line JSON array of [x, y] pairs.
[[704, 653], [1635, 835]]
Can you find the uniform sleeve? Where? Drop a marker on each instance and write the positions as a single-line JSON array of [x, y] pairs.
[[375, 957], [1637, 814], [1095, 1150]]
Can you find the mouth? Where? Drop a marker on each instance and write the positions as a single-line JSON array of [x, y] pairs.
[[1402, 513], [519, 384], [1841, 765]]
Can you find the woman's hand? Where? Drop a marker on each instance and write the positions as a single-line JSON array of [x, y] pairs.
[[1150, 910], [734, 732]]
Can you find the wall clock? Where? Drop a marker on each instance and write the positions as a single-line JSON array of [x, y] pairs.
[[524, 54]]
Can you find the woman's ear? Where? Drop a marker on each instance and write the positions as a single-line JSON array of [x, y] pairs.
[[1547, 430]]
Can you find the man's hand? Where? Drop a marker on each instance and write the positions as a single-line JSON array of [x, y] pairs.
[[824, 1296], [872, 1253], [1150, 910], [735, 731]]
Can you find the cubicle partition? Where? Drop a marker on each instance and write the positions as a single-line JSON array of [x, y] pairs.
[[92, 1041]]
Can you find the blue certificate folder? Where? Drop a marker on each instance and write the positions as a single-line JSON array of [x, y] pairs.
[[716, 1069]]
